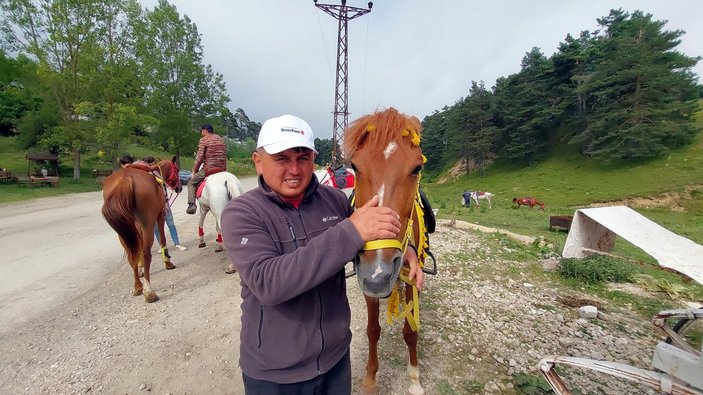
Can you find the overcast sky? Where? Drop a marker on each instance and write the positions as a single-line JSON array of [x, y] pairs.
[[279, 56]]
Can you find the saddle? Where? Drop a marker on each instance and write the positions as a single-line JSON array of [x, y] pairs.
[[340, 177], [208, 173]]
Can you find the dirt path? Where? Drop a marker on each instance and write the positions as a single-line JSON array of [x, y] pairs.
[[68, 322]]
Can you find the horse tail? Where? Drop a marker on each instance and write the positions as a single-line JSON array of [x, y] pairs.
[[118, 211], [234, 187]]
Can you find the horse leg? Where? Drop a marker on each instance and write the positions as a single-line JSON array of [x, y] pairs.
[[201, 221], [219, 237], [145, 263], [138, 289], [149, 295], [410, 337], [162, 241], [489, 202], [373, 332]]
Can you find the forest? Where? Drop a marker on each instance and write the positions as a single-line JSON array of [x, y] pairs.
[[79, 76], [617, 93]]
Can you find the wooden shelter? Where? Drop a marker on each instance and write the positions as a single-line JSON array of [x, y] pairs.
[[39, 159]]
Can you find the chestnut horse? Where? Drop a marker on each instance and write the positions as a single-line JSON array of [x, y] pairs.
[[133, 203], [528, 201], [384, 149]]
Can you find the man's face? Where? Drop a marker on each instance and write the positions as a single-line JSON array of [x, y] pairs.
[[288, 172]]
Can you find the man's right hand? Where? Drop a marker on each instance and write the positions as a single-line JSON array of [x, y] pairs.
[[374, 223]]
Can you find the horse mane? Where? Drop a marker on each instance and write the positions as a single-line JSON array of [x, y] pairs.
[[380, 128]]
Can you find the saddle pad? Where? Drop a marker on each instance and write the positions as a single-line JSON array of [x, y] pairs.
[[200, 188]]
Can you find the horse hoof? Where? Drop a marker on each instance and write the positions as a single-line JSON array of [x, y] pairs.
[[219, 249], [369, 389], [136, 292], [169, 265], [150, 297], [202, 245]]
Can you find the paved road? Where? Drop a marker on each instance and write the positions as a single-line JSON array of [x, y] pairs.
[[53, 249]]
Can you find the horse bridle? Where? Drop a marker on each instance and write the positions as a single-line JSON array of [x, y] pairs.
[[173, 184], [394, 243], [173, 180]]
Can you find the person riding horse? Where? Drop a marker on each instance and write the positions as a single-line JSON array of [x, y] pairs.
[[212, 155]]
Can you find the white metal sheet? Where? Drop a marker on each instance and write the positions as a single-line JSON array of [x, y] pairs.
[[595, 228]]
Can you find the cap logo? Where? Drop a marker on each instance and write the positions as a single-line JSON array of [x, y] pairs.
[[293, 130]]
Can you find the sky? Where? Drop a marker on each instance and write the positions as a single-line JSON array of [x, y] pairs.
[[280, 56]]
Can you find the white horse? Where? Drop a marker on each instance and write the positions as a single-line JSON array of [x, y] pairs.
[[219, 189], [476, 196]]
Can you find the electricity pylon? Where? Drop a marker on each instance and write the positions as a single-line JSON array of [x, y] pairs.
[[343, 14]]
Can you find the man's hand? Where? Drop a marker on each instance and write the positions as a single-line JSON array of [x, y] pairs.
[[374, 223], [410, 258]]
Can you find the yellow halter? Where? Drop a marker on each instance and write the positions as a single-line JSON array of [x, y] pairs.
[[411, 309]]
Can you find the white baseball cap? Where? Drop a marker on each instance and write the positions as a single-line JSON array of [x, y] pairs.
[[284, 132]]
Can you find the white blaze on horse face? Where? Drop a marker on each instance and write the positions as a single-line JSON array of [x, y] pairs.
[[381, 192], [377, 271], [390, 148]]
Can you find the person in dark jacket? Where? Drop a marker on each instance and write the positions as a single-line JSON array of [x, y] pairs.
[[289, 240]]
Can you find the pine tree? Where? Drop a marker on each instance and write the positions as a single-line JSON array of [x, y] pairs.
[[643, 90]]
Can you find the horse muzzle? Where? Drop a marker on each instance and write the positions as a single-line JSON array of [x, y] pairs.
[[377, 275]]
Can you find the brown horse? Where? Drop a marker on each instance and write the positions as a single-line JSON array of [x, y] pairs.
[[528, 201], [134, 200], [384, 149]]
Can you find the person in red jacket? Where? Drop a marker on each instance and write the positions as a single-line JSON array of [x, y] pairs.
[[212, 155], [289, 240]]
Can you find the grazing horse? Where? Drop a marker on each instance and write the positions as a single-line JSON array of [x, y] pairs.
[[217, 191], [476, 196], [528, 201], [133, 203], [384, 149]]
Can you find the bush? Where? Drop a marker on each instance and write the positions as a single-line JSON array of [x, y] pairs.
[[597, 269]]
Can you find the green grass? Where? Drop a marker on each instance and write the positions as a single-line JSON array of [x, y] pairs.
[[14, 160]]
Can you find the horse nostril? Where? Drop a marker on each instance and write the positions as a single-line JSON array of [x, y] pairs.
[[397, 260]]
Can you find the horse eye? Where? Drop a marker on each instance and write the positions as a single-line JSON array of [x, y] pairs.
[[417, 170]]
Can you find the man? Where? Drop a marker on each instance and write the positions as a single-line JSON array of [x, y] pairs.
[[212, 155], [466, 197], [290, 239]]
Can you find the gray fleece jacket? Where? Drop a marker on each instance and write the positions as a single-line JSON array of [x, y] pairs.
[[295, 312]]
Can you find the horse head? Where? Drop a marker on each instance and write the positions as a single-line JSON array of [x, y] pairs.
[[384, 149], [169, 173]]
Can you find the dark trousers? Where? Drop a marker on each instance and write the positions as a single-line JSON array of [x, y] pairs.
[[335, 382]]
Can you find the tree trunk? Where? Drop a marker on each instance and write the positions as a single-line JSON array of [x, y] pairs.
[[76, 164]]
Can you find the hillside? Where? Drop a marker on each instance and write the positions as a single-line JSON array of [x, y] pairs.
[[668, 190]]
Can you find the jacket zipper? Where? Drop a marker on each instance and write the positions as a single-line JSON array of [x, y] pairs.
[[292, 233], [261, 323], [322, 332]]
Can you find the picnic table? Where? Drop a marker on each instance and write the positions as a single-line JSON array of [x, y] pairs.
[[38, 181]]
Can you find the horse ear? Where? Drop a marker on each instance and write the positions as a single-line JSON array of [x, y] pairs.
[[173, 159]]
